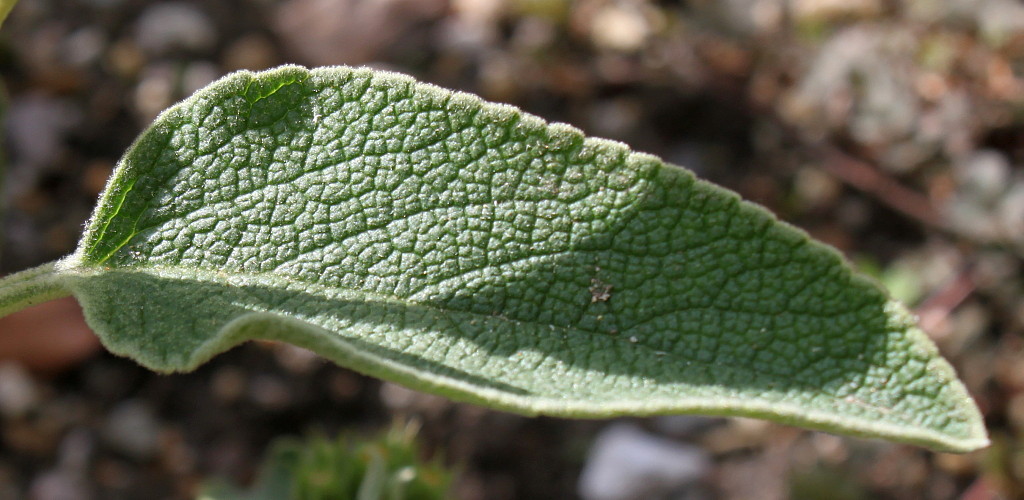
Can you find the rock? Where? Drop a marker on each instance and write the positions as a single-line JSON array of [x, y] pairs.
[[296, 360], [155, 91], [84, 46], [815, 189], [325, 32], [169, 26], [59, 485], [627, 463], [396, 397], [132, 429], [473, 27], [75, 451], [270, 392], [983, 175], [198, 75], [989, 201], [36, 126], [1000, 20], [858, 82], [616, 118], [835, 10], [18, 393], [68, 480], [752, 17], [620, 27], [228, 384], [1011, 214]]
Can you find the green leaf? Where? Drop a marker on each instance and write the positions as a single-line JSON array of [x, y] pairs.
[[471, 250], [386, 467], [5, 8]]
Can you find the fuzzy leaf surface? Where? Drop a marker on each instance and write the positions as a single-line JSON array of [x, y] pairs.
[[474, 251]]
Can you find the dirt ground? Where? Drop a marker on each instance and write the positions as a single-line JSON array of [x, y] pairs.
[[891, 130]]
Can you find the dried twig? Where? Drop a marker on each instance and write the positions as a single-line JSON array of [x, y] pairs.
[[887, 190]]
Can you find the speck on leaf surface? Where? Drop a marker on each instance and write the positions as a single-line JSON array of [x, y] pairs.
[[430, 238]]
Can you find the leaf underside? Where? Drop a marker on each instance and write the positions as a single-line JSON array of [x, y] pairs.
[[474, 251]]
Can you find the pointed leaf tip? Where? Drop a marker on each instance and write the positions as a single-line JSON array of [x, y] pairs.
[[475, 251]]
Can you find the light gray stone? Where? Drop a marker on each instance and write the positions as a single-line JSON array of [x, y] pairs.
[[627, 463]]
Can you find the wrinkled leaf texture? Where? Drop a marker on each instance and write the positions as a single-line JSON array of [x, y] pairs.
[[472, 250]]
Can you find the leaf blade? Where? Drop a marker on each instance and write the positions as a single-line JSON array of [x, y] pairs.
[[468, 249]]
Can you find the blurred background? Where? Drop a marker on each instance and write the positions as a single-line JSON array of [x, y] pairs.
[[892, 130]]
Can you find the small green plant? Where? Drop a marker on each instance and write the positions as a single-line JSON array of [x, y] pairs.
[[387, 467], [474, 251]]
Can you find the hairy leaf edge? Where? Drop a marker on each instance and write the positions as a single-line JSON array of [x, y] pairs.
[[270, 326], [31, 287], [49, 285]]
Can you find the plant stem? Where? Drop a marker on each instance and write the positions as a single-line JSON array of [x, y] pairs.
[[31, 287]]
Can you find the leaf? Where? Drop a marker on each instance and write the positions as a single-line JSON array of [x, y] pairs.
[[386, 467], [5, 8], [471, 250]]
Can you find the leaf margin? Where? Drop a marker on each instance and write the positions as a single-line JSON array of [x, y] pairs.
[[77, 266]]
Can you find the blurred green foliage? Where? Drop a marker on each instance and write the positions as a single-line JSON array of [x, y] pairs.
[[386, 467]]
